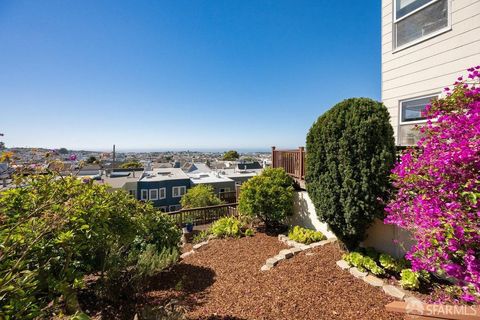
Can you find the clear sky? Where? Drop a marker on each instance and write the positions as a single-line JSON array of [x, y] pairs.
[[180, 74]]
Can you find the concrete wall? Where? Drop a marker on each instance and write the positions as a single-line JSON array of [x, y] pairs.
[[305, 215], [428, 66], [385, 238], [388, 238]]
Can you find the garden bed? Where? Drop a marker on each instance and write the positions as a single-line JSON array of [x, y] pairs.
[[223, 280]]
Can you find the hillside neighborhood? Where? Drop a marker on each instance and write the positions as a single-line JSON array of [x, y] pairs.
[[375, 216]]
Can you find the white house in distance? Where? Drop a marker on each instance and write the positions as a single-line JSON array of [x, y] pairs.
[[426, 44]]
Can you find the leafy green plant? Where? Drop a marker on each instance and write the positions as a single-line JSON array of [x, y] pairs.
[[372, 253], [249, 232], [355, 259], [201, 236], [227, 227], [351, 150], [391, 264], [268, 196], [372, 266], [304, 235], [152, 261], [201, 195], [409, 279], [54, 230]]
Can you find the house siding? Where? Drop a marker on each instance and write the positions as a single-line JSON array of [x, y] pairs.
[[427, 67], [168, 185]]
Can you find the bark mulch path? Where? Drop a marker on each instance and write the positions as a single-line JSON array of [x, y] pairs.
[[223, 281]]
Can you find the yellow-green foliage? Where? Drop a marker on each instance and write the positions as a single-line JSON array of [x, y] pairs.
[[409, 279], [304, 235], [227, 227]]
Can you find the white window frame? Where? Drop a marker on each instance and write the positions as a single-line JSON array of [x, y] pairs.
[[164, 208], [132, 192], [178, 194], [141, 194], [150, 194], [164, 190], [174, 207], [400, 108], [421, 39]]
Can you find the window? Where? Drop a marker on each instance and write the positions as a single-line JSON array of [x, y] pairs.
[[224, 190], [132, 193], [162, 193], [164, 208], [153, 194], [177, 192], [174, 207], [414, 109], [144, 194], [416, 20]]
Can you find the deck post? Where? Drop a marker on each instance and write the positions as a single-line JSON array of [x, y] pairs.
[[302, 162], [273, 157]]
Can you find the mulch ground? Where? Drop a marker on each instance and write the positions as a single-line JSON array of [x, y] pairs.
[[223, 281]]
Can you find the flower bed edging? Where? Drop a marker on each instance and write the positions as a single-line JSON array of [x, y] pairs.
[[372, 280], [295, 249], [196, 247]]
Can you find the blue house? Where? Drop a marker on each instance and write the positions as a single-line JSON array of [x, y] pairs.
[[164, 187]]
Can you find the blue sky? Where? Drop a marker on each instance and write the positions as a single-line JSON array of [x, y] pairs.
[[180, 74]]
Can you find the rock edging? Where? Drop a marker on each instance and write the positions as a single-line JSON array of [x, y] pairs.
[[196, 247], [295, 248], [372, 280]]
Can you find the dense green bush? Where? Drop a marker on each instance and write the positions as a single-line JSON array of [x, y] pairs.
[[201, 195], [392, 264], [54, 230], [351, 151], [268, 196], [304, 235]]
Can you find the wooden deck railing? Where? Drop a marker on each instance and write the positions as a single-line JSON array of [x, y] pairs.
[[204, 215], [293, 161]]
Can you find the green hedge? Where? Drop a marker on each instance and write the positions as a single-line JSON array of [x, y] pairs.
[[351, 151]]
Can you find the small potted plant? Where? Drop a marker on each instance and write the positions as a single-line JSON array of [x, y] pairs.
[[189, 224]]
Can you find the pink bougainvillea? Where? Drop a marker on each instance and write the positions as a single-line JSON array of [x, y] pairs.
[[438, 188]]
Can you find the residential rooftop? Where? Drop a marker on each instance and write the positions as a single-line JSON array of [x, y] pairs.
[[210, 177], [163, 174]]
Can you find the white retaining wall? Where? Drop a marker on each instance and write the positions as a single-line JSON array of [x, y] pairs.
[[385, 238], [304, 215]]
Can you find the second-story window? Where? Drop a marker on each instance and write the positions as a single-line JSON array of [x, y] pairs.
[[178, 191], [416, 20]]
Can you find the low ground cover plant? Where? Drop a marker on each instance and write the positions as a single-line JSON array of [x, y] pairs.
[[226, 227], [438, 187], [304, 235], [383, 264], [55, 229]]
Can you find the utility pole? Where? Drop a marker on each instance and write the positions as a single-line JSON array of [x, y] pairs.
[[113, 162]]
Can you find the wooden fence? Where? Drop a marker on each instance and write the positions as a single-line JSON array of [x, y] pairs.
[[293, 161], [204, 215]]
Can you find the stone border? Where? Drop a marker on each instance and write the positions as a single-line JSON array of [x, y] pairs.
[[196, 247], [372, 280], [295, 249]]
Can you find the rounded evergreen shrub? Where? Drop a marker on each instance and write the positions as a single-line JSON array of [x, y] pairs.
[[351, 151], [268, 196]]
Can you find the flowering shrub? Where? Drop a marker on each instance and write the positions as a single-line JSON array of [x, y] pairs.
[[438, 186]]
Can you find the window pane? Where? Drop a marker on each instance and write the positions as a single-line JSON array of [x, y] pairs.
[[414, 110], [404, 7], [422, 23]]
